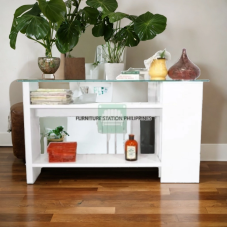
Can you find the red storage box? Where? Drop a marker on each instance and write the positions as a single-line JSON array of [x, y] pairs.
[[62, 151]]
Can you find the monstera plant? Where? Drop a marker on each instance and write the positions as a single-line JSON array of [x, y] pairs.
[[141, 28], [38, 22]]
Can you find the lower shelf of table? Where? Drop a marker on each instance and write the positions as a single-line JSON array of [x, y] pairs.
[[102, 160]]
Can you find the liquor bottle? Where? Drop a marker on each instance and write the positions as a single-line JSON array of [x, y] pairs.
[[131, 149]]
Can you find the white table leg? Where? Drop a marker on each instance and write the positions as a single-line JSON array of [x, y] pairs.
[[181, 131], [32, 131]]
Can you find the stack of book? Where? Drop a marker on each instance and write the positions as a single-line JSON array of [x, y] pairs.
[[128, 75], [51, 96]]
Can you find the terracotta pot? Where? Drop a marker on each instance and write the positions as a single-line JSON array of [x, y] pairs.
[[158, 70], [184, 69]]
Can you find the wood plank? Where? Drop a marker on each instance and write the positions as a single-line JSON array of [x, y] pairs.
[[127, 195], [181, 190], [216, 210], [80, 210], [111, 219], [113, 224], [202, 218], [4, 217], [22, 210], [222, 191], [139, 188], [82, 224], [161, 210], [196, 224], [46, 203]]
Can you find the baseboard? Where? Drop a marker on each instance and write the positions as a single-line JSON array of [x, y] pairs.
[[213, 152], [5, 139]]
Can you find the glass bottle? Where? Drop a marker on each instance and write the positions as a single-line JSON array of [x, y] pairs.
[[131, 149], [184, 69]]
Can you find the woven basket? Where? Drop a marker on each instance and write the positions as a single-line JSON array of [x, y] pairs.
[[55, 140]]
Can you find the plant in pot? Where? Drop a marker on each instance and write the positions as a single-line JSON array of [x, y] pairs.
[[39, 22], [157, 65], [141, 28], [76, 22], [56, 135], [52, 22]]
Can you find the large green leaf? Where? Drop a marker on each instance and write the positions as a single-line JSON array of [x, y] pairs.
[[36, 27], [89, 15], [67, 36], [34, 11], [131, 17], [98, 30], [116, 16], [104, 28], [147, 25], [127, 36], [106, 5], [13, 31], [21, 10], [108, 32], [54, 10], [13, 36]]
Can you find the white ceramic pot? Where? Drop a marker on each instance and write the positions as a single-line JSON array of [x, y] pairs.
[[112, 70]]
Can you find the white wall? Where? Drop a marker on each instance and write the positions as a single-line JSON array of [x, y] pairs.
[[15, 64], [198, 25]]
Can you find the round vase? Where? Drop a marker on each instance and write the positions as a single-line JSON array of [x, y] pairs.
[[184, 69], [158, 70], [48, 65], [112, 70]]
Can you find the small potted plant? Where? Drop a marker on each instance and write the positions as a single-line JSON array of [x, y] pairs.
[[39, 22], [141, 28], [56, 135], [157, 65]]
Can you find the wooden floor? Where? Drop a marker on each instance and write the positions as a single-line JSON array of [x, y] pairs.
[[110, 197]]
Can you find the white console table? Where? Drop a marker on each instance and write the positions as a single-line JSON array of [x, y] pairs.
[[177, 108]]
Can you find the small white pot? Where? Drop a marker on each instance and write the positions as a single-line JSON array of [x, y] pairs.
[[112, 70]]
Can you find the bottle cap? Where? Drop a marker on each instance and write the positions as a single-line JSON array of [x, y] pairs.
[[131, 137]]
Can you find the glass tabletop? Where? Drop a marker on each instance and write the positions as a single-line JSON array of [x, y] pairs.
[[95, 80]]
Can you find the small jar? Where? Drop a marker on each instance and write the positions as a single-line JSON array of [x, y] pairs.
[[131, 149]]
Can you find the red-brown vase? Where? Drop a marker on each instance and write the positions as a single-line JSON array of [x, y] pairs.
[[184, 69]]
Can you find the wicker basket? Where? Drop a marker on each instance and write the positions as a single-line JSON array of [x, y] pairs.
[[55, 140]]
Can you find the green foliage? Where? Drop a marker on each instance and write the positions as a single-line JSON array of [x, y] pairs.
[[35, 27], [116, 16], [106, 5], [140, 28], [50, 22], [53, 10], [37, 22], [147, 25], [67, 36], [58, 132], [162, 55]]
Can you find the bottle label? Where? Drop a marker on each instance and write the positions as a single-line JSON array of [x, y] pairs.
[[131, 152]]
